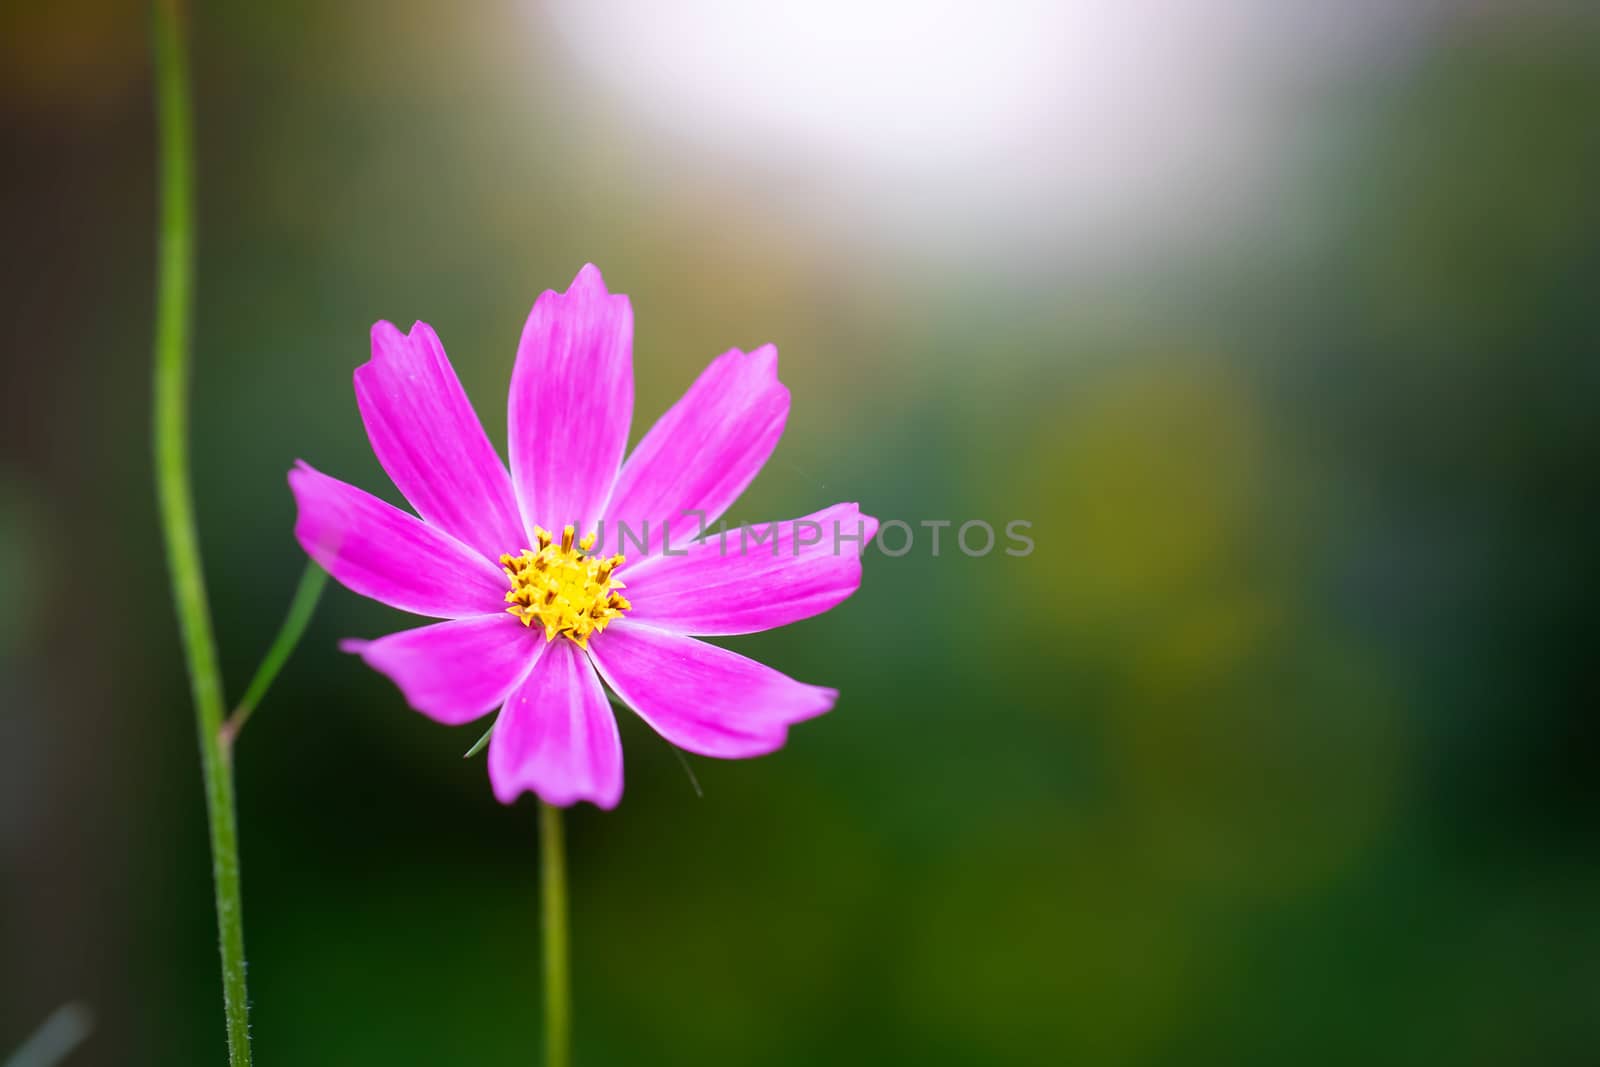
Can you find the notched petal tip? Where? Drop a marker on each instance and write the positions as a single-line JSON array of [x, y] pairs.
[[869, 523], [588, 283], [814, 700], [509, 792], [589, 286], [384, 333], [765, 358], [759, 363], [390, 344]]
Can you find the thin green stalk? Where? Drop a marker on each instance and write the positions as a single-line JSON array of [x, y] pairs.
[[301, 607], [174, 288], [557, 980]]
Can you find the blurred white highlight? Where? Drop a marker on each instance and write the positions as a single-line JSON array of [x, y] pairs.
[[1072, 119]]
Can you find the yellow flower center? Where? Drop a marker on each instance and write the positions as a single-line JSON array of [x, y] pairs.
[[562, 588]]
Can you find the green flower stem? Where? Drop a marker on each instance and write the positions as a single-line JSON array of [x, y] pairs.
[[174, 288], [557, 980], [301, 607]]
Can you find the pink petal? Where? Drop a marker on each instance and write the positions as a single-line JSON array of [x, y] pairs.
[[455, 671], [429, 439], [557, 736], [733, 584], [702, 453], [571, 403], [700, 697], [379, 551]]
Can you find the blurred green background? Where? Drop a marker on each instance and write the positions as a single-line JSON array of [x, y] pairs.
[[1278, 322]]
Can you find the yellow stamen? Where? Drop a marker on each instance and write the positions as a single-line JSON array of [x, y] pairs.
[[562, 588]]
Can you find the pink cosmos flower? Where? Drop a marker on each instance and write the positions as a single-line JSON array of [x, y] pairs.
[[530, 539]]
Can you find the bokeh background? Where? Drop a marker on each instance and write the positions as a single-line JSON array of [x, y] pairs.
[[1277, 321]]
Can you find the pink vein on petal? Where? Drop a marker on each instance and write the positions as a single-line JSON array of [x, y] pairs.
[[702, 698], [571, 403], [428, 438], [733, 583], [375, 549], [703, 452], [455, 671], [557, 736]]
